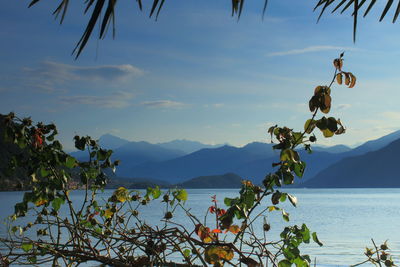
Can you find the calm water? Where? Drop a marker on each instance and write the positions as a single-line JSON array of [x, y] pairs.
[[345, 219]]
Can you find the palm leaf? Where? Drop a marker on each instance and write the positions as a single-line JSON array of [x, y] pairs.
[[89, 28], [237, 9]]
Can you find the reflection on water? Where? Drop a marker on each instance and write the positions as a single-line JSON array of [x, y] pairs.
[[345, 219]]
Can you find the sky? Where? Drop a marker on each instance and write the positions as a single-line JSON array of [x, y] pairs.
[[197, 73]]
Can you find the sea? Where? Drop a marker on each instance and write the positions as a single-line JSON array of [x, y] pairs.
[[345, 219]]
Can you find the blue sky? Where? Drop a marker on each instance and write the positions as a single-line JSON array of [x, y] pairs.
[[197, 73]]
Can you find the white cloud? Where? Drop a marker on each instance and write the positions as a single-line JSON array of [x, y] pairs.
[[163, 104], [119, 99], [343, 106], [50, 75], [309, 49]]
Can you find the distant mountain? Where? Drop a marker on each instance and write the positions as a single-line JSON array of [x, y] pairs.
[[374, 169], [110, 141], [135, 153], [375, 144], [332, 149], [136, 183], [186, 146], [252, 162], [228, 180], [132, 153], [204, 162]]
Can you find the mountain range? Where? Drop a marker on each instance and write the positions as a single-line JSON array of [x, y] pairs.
[[173, 163]]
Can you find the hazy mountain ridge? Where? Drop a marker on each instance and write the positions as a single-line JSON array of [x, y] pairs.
[[186, 146], [228, 180], [374, 169], [252, 161]]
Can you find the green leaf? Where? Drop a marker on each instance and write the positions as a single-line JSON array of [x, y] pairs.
[[181, 195], [248, 198], [285, 215], [297, 137], [288, 177], [299, 168], [70, 162], [309, 126], [305, 232], [289, 155], [231, 201], [27, 247], [186, 253], [32, 259], [316, 240], [101, 154], [283, 197], [44, 172], [300, 262], [56, 204], [154, 192], [284, 263]]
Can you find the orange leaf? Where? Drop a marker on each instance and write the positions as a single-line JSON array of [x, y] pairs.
[[216, 231], [234, 229]]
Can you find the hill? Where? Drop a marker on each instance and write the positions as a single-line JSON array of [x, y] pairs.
[[203, 163], [136, 183], [376, 144], [228, 180], [186, 146], [252, 162], [110, 141], [373, 169]]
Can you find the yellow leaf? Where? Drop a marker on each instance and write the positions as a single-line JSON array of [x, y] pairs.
[[347, 78], [353, 80], [234, 229], [215, 254], [272, 208], [33, 177], [207, 239], [309, 126], [327, 133], [122, 194], [40, 202], [108, 213], [339, 78]]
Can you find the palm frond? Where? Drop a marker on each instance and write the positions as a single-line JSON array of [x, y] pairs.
[[237, 7]]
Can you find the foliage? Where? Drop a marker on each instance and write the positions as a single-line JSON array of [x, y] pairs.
[[111, 231]]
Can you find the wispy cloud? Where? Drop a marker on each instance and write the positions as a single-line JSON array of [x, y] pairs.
[[50, 75], [343, 106], [119, 99], [163, 104], [309, 49]]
